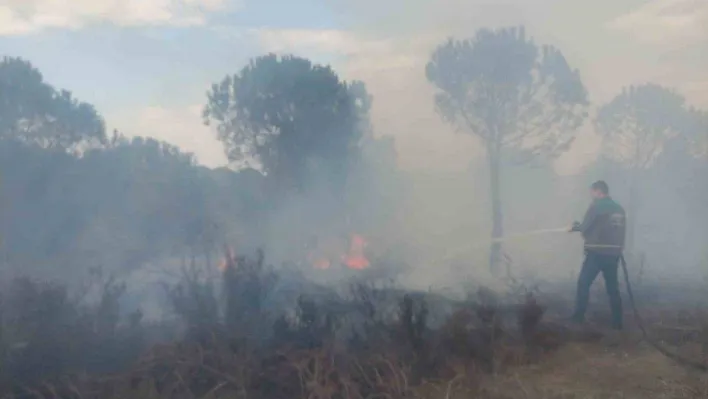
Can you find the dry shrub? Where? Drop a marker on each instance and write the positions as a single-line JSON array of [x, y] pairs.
[[374, 342], [47, 335]]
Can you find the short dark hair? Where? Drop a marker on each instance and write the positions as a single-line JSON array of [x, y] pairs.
[[601, 186]]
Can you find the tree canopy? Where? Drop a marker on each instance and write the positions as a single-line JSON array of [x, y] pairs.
[[510, 92], [295, 119], [33, 111], [117, 206], [637, 126], [638, 122]]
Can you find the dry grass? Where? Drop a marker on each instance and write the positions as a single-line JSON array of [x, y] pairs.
[[593, 372], [379, 343]]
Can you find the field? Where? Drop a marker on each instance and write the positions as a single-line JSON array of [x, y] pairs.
[[263, 334]]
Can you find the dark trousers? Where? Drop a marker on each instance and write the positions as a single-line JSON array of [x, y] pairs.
[[593, 265]]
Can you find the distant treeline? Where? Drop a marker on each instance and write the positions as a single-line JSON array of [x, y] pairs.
[[123, 205]]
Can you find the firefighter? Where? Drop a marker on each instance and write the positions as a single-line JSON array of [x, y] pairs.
[[603, 230]]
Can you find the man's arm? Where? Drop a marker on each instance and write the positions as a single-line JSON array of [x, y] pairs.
[[588, 220]]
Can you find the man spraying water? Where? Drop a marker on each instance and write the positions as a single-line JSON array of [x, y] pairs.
[[603, 230]]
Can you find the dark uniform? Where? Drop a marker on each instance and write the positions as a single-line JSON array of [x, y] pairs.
[[603, 230]]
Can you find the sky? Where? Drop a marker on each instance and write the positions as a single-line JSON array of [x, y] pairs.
[[147, 64]]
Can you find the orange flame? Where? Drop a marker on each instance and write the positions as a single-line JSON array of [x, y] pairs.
[[356, 259]]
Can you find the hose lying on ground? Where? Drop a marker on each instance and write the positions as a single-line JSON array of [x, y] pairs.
[[673, 356]]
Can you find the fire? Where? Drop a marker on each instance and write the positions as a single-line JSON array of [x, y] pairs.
[[356, 259], [352, 258]]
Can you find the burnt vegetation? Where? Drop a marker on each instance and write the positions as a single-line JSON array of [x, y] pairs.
[[248, 334], [251, 338]]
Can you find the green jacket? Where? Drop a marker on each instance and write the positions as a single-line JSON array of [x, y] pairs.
[[604, 227]]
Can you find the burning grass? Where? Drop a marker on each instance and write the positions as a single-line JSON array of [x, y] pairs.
[[260, 340]]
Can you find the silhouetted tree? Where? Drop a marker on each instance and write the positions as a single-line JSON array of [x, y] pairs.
[[636, 126], [31, 110], [511, 93], [120, 205], [294, 118]]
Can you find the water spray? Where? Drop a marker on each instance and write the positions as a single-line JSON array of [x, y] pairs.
[[530, 233], [508, 237]]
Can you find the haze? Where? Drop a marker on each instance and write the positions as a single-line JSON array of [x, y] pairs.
[[146, 66], [340, 198]]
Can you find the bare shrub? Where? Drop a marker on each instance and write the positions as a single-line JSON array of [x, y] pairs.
[[45, 334], [373, 342]]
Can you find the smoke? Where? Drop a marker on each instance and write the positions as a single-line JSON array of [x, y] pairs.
[[387, 46], [448, 206], [412, 201], [428, 204]]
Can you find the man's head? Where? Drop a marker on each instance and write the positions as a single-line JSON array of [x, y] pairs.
[[599, 189]]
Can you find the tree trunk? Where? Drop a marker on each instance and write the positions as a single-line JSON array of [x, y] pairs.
[[493, 154]]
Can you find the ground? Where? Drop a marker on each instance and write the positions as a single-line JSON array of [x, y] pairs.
[[591, 371], [408, 345]]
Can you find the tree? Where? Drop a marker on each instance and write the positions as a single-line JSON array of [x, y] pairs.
[[33, 111], [513, 95], [294, 118], [636, 126]]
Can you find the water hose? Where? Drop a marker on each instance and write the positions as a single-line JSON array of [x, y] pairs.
[[638, 318]]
